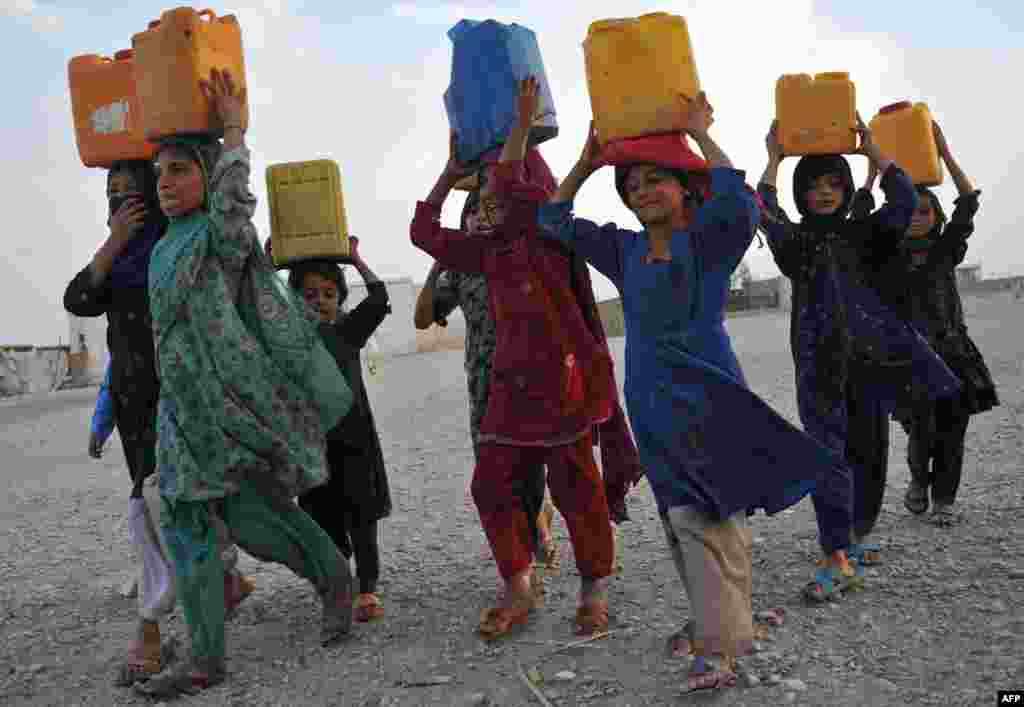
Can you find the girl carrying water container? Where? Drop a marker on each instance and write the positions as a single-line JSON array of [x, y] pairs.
[[114, 284], [920, 282], [551, 382], [247, 393], [712, 450], [855, 359], [357, 496]]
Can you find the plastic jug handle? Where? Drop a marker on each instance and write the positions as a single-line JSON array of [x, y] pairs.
[[208, 13]]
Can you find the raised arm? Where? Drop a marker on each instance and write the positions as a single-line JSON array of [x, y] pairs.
[[781, 233], [728, 220], [601, 246], [232, 204], [452, 249], [359, 325], [889, 223], [863, 200], [952, 245]]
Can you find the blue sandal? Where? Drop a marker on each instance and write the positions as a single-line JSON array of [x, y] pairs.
[[865, 554], [829, 582]]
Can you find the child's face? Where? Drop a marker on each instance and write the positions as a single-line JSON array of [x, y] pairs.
[[923, 220], [654, 195], [322, 294], [180, 185], [826, 195], [490, 213]]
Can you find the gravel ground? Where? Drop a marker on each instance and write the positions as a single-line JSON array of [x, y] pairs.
[[941, 622]]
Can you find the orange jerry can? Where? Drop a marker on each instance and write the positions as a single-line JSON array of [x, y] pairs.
[[637, 68], [105, 107], [171, 56], [817, 116], [903, 132]]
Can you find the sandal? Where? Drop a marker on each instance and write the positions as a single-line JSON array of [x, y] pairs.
[[368, 608], [337, 616], [916, 498], [865, 554], [549, 555], [680, 643], [592, 618], [704, 676], [830, 581], [943, 515], [186, 679], [499, 621], [144, 657], [772, 617], [237, 588]]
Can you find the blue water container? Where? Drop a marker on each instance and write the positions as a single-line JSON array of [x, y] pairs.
[[489, 59]]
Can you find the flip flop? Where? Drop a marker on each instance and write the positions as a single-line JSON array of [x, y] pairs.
[[680, 643], [368, 608], [592, 618], [705, 677], [866, 554], [500, 621]]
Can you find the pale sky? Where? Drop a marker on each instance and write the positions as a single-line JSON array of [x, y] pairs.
[[361, 83]]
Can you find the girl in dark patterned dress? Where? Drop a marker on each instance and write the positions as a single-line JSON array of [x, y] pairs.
[[854, 357], [114, 284], [349, 505], [921, 283]]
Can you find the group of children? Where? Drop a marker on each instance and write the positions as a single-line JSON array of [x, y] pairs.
[[243, 398]]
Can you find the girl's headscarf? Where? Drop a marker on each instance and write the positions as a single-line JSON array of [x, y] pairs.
[[205, 151], [131, 266], [923, 243], [808, 170], [669, 152]]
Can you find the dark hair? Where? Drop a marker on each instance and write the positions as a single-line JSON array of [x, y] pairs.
[[810, 168], [471, 205], [680, 175], [142, 171], [326, 270]]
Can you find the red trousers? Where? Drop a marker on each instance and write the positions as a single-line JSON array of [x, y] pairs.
[[576, 489]]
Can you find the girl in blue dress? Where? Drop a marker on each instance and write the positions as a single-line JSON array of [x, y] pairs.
[[712, 450]]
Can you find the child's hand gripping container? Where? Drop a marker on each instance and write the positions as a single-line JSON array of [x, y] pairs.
[[637, 69], [171, 56], [105, 106], [817, 116], [307, 213], [905, 134], [489, 59]]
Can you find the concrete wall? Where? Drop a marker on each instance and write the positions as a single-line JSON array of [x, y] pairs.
[[26, 369]]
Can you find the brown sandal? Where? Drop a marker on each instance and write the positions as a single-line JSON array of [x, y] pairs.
[[499, 621], [592, 618], [368, 608], [144, 657], [680, 643], [237, 588], [184, 680]]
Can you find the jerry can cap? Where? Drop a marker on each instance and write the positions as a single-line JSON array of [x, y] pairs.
[[124, 54], [893, 107]]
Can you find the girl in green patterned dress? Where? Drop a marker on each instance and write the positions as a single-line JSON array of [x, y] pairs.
[[247, 394]]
